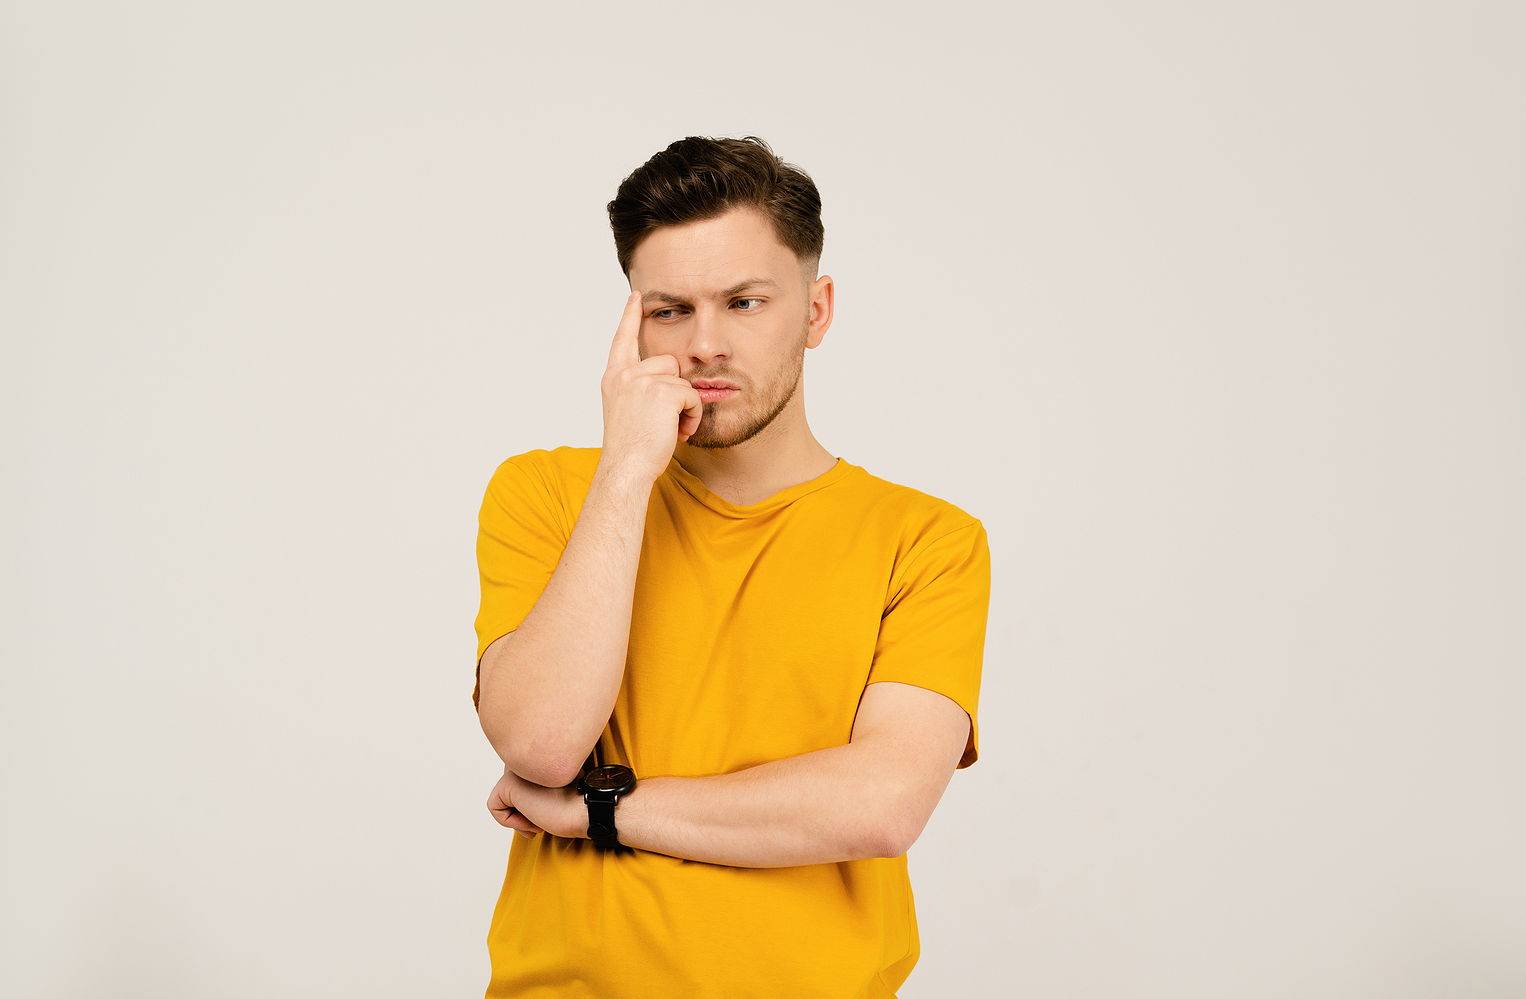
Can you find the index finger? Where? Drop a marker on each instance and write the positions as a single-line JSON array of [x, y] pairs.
[[624, 352]]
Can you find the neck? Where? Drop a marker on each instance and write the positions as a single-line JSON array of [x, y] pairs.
[[758, 468]]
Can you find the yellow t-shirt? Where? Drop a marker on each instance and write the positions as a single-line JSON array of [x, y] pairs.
[[754, 631]]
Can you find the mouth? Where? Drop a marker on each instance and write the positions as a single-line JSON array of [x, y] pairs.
[[714, 389]]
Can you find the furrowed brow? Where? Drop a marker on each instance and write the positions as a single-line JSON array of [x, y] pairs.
[[671, 299]]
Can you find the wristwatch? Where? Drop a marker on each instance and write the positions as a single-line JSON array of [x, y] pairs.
[[601, 788]]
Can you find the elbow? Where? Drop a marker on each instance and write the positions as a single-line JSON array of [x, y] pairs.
[[900, 828], [531, 759], [537, 760], [523, 743], [891, 844], [548, 768]]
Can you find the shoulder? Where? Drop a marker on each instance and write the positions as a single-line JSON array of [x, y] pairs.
[[550, 468], [541, 485], [915, 518]]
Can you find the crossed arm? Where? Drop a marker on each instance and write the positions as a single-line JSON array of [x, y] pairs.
[[868, 798]]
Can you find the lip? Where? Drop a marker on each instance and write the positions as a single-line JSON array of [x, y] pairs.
[[715, 394], [712, 383]]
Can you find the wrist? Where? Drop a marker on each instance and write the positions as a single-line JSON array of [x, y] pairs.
[[574, 817], [622, 482], [603, 795]]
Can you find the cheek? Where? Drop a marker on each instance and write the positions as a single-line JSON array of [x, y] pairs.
[[652, 338]]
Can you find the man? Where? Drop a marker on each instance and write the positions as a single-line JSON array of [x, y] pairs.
[[729, 674]]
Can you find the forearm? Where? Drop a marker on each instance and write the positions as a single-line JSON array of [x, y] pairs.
[[548, 688], [815, 808]]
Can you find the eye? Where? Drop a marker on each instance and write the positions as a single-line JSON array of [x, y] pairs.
[[659, 313]]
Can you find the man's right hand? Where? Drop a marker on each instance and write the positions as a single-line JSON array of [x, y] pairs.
[[648, 408]]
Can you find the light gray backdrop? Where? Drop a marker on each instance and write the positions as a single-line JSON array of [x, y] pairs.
[[1212, 312]]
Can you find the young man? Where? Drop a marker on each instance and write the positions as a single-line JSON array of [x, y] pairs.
[[729, 674]]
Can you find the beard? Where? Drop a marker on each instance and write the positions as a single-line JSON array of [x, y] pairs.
[[734, 421]]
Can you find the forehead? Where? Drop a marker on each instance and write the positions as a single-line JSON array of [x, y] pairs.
[[711, 258]]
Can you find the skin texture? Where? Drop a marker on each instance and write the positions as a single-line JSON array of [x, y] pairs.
[[749, 446], [868, 798]]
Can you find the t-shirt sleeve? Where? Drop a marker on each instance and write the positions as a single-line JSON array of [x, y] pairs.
[[933, 631], [521, 535]]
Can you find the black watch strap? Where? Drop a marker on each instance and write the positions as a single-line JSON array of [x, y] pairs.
[[602, 788], [601, 821]]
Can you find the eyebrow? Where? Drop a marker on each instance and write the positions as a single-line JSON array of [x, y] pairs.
[[663, 296]]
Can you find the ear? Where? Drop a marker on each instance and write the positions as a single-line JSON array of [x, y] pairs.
[[819, 318]]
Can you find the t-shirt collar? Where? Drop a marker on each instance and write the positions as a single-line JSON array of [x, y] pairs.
[[695, 486]]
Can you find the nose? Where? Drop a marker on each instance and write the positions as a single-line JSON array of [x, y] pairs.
[[708, 341]]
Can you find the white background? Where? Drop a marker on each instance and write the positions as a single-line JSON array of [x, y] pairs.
[[1212, 312]]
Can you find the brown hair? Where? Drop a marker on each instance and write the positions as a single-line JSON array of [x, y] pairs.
[[699, 178]]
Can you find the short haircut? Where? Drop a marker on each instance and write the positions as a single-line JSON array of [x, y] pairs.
[[698, 178]]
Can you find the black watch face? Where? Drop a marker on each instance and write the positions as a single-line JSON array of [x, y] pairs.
[[609, 777]]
